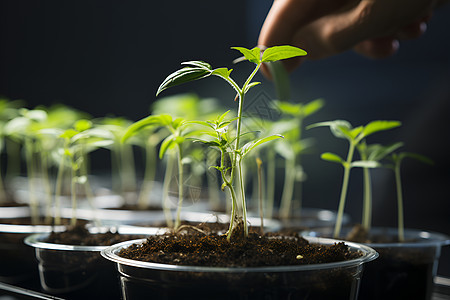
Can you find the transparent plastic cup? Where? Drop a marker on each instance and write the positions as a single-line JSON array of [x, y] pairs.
[[403, 270], [338, 280]]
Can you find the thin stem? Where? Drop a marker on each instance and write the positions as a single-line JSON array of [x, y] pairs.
[[242, 190], [367, 203], [347, 167], [401, 226], [288, 189], [58, 187], [270, 182], [73, 192], [180, 187], [31, 180], [261, 209], [149, 175], [167, 177]]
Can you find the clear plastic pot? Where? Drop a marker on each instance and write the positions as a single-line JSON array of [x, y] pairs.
[[403, 270], [17, 263], [338, 280], [77, 271]]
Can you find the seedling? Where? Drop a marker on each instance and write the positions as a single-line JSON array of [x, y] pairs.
[[343, 129], [374, 152], [397, 159], [77, 143], [178, 134], [292, 147], [194, 70]]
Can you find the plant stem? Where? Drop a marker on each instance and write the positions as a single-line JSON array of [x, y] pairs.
[[288, 189], [167, 177], [367, 203], [347, 167], [401, 226], [180, 187], [271, 165], [73, 193], [242, 190], [261, 209], [31, 180], [58, 187], [149, 175]]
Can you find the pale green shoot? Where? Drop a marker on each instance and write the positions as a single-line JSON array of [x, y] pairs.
[[397, 159], [343, 129]]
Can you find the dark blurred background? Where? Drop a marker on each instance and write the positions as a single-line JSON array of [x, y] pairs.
[[109, 57]]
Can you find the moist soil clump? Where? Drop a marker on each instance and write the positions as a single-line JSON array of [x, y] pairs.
[[201, 248]]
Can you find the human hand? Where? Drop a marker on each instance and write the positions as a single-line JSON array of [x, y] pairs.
[[323, 28]]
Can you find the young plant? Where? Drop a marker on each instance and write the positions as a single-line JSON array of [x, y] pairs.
[[194, 70], [396, 159], [292, 147], [373, 152], [344, 130], [8, 111], [178, 134], [78, 142]]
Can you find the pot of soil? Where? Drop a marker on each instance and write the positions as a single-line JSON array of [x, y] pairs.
[[17, 263], [404, 270], [190, 218], [310, 218], [198, 265], [70, 263]]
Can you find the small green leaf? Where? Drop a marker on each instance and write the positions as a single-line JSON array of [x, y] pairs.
[[82, 125], [331, 157], [248, 87], [376, 126], [152, 120], [312, 107], [281, 52], [198, 71], [253, 144], [252, 55], [165, 145], [365, 164], [222, 72]]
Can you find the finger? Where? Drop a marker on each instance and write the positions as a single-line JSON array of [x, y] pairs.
[[412, 31], [377, 48], [286, 17]]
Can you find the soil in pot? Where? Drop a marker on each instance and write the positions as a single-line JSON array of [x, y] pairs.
[[404, 270], [71, 266], [204, 248]]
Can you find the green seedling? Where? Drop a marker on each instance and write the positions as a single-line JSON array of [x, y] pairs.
[[292, 147], [195, 70], [122, 157], [78, 142], [8, 111], [178, 132], [373, 152], [397, 159], [344, 130]]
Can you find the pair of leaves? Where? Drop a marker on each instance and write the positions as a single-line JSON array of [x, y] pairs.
[[195, 70], [332, 157], [343, 129]]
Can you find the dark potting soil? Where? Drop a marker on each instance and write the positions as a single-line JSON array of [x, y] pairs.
[[80, 235], [204, 248]]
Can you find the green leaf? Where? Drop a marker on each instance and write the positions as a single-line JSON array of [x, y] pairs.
[[222, 72], [331, 157], [339, 128], [376, 126], [281, 52], [139, 125], [377, 152], [248, 87], [312, 107], [165, 145], [198, 71], [365, 164], [252, 55], [251, 145], [82, 125]]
